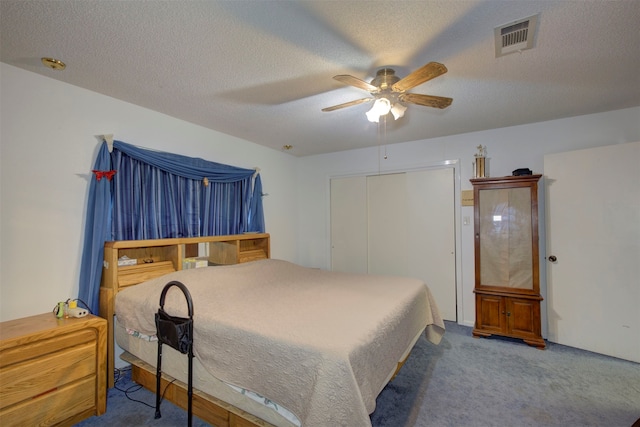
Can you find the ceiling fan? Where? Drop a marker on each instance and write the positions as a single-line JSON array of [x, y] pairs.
[[388, 90]]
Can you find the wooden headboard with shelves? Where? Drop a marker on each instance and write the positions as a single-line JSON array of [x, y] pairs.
[[154, 258]]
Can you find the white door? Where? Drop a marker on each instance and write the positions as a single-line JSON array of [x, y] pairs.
[[410, 229], [349, 224], [593, 232], [431, 225], [388, 211]]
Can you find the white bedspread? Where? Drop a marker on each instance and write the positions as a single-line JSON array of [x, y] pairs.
[[320, 343]]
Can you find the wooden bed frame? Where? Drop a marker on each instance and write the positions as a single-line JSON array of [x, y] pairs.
[[157, 258], [204, 406]]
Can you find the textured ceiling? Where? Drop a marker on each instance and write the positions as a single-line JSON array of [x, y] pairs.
[[262, 70]]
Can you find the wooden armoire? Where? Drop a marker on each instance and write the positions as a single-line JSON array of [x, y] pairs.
[[507, 278]]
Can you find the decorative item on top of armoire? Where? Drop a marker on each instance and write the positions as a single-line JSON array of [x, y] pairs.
[[507, 279], [480, 163]]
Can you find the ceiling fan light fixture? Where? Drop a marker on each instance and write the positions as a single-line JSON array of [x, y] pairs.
[[372, 116], [381, 107], [387, 89], [398, 110]]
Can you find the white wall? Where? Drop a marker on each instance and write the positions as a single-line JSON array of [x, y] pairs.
[[47, 149], [508, 149]]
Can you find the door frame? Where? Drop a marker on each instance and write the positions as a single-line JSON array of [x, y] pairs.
[[457, 211]]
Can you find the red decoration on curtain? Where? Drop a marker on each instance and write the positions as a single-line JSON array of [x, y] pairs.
[[104, 174]]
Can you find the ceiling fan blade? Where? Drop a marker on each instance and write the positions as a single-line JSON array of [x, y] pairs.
[[426, 100], [356, 82], [348, 104], [419, 76]]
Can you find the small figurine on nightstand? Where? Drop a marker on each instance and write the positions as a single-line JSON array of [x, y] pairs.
[[479, 166]]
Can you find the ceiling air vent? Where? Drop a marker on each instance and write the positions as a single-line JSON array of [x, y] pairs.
[[515, 36]]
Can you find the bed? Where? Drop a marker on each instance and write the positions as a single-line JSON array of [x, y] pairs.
[[320, 344]]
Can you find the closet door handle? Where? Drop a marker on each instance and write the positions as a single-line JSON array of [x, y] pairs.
[[552, 258]]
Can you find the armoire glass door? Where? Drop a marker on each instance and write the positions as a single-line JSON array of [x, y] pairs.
[[505, 238]]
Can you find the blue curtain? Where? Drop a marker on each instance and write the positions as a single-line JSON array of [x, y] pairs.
[[155, 195], [96, 231]]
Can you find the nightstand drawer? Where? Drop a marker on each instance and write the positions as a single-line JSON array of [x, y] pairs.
[[52, 408], [46, 346], [46, 373]]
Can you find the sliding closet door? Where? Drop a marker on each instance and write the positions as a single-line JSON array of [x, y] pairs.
[[398, 224], [431, 243], [349, 224], [411, 230], [388, 214]]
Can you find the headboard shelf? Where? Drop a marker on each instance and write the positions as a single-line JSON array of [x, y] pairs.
[[157, 257], [238, 251], [133, 274]]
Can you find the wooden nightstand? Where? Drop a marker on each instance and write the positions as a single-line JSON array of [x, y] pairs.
[[52, 371]]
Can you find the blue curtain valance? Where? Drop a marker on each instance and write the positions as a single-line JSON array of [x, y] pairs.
[[184, 166]]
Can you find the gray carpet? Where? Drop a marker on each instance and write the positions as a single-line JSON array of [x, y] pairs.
[[466, 381]]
